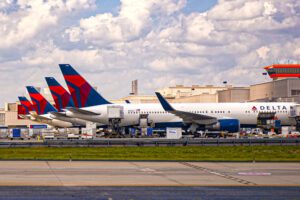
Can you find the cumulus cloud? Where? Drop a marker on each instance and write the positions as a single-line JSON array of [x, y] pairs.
[[263, 52], [135, 17], [154, 41], [34, 17]]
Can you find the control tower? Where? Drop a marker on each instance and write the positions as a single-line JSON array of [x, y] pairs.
[[277, 71]]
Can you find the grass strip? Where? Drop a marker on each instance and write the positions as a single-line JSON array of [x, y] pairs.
[[188, 153]]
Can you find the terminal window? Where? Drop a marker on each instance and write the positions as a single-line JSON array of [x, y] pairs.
[[295, 92]]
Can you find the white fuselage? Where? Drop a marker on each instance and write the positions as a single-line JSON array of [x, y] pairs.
[[246, 113], [74, 121], [47, 119]]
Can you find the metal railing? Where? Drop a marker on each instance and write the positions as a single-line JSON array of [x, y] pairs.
[[153, 142]]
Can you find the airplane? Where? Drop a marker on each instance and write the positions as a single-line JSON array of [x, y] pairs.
[[192, 116], [31, 113], [83, 95], [44, 109], [62, 100], [59, 94], [27, 105]]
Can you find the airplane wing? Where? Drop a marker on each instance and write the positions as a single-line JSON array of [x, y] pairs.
[[187, 117], [81, 111]]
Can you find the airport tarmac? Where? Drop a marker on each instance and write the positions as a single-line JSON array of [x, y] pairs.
[[106, 173]]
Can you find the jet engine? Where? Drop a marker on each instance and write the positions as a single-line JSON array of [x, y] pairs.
[[230, 125]]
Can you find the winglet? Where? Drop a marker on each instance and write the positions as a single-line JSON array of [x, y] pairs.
[[164, 103]]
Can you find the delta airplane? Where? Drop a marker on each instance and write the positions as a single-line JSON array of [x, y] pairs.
[[44, 111], [27, 105], [216, 116], [62, 100], [42, 117]]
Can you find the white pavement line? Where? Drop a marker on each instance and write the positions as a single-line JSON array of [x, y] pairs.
[[255, 173], [245, 182], [148, 170]]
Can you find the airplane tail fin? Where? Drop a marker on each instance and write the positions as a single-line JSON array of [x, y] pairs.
[[60, 95], [26, 104], [40, 103], [83, 94]]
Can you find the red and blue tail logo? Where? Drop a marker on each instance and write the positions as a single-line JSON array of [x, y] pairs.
[[40, 104], [83, 94], [60, 95], [26, 104]]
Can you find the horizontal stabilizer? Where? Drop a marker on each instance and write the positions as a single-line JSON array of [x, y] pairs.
[[81, 111], [40, 118], [58, 114], [23, 116]]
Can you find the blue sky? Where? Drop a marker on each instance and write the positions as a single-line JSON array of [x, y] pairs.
[[108, 6], [199, 6], [191, 6], [159, 42]]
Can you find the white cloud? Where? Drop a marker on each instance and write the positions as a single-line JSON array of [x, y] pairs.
[[6, 4], [178, 64], [237, 10], [263, 52], [250, 16], [269, 9], [33, 18], [198, 28], [154, 41], [134, 17]]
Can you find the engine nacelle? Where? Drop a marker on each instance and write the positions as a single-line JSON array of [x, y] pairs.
[[230, 125]]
